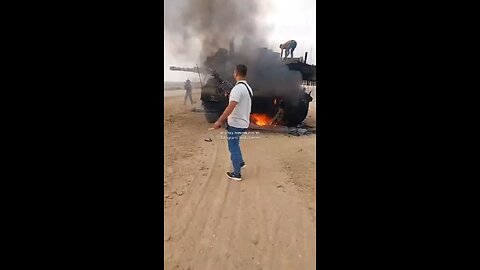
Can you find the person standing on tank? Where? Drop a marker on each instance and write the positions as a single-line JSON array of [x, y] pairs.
[[237, 115], [289, 47]]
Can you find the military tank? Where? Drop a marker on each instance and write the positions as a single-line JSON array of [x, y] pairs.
[[279, 97]]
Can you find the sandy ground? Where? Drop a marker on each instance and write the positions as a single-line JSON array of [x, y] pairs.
[[177, 93], [267, 221]]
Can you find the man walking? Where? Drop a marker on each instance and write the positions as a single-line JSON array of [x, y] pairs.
[[289, 47], [188, 93], [237, 115]]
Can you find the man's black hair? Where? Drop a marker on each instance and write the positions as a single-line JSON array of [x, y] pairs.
[[241, 70]]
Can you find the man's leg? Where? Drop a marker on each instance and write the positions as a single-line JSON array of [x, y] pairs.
[[240, 156], [233, 140], [240, 149], [190, 96], [185, 100]]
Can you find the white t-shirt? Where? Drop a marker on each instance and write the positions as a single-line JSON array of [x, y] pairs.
[[240, 117]]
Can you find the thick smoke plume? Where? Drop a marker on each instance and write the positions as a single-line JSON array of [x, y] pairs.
[[225, 33], [209, 25]]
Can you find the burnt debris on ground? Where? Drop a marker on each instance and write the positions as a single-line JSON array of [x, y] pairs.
[[299, 130]]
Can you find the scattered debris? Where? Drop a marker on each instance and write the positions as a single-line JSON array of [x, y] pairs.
[[279, 186], [179, 193], [208, 140], [255, 242], [299, 131], [169, 238]]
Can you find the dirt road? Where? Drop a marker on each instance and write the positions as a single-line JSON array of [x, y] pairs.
[[267, 221]]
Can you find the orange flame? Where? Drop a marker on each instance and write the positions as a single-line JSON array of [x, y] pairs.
[[260, 119]]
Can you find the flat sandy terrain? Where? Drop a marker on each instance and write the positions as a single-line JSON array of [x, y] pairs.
[[267, 221]]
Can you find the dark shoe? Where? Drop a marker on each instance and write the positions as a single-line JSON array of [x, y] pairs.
[[234, 176], [243, 165]]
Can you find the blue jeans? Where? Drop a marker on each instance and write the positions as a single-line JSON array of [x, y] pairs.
[[233, 140]]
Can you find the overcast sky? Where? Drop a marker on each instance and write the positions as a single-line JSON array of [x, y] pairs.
[[286, 20]]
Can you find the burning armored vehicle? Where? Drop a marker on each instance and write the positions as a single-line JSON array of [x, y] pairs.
[[279, 97]]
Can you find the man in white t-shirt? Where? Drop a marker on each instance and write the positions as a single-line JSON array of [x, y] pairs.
[[237, 115]]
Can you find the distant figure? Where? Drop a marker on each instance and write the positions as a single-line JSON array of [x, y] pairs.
[[188, 92], [289, 47]]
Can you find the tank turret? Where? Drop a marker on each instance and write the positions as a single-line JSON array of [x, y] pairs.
[[278, 95], [193, 69]]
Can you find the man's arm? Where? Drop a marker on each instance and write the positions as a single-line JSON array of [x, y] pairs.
[[225, 114], [281, 54]]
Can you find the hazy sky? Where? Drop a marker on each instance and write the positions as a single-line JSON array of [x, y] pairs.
[[286, 20]]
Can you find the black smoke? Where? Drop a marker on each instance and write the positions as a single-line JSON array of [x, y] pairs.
[[207, 25]]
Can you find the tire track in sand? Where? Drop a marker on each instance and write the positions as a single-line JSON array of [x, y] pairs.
[[253, 224]]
